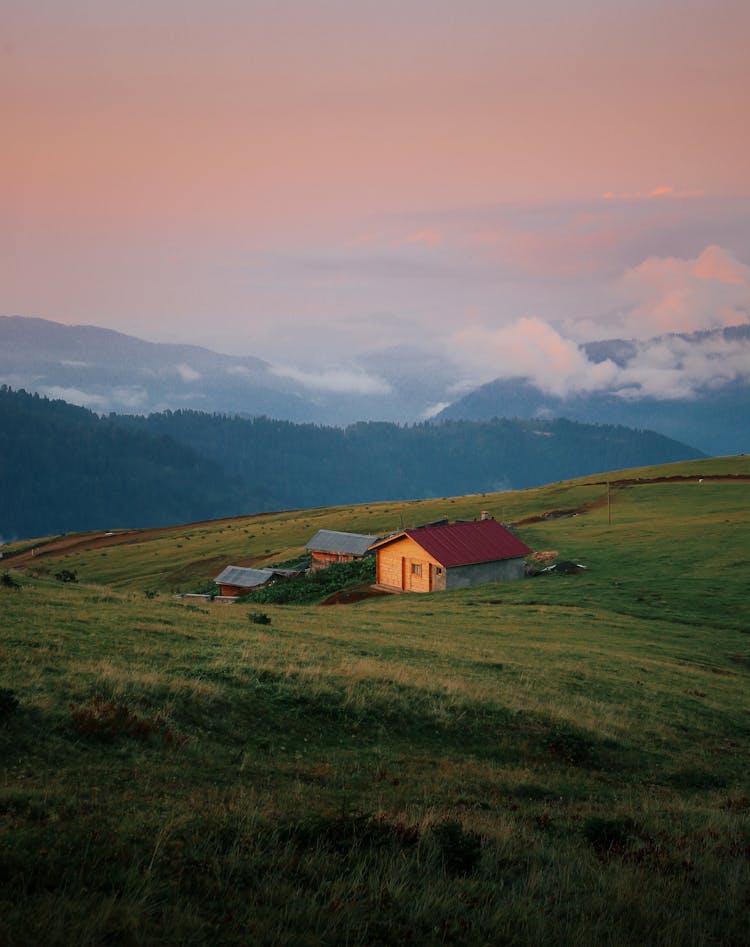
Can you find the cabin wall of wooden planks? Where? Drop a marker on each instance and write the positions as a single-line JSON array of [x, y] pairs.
[[404, 565], [321, 560]]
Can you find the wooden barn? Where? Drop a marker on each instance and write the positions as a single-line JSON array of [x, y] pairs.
[[449, 556], [328, 546], [239, 580]]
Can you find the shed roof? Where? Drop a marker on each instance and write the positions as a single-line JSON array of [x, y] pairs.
[[330, 540], [244, 578], [463, 544]]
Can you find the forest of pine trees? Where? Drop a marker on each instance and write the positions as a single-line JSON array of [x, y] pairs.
[[64, 468]]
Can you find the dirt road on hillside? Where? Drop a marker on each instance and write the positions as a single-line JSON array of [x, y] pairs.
[[85, 542]]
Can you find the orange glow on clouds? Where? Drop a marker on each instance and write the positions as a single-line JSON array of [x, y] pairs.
[[675, 295], [717, 264]]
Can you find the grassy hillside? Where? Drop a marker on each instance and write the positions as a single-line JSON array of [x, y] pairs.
[[181, 558], [559, 760]]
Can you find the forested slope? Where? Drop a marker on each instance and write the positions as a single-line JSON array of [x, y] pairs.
[[308, 465], [64, 468]]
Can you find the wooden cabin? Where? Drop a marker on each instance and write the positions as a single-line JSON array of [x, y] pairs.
[[235, 581], [449, 556], [328, 546]]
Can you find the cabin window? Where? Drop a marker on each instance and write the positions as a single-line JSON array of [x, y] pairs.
[[438, 570], [416, 568]]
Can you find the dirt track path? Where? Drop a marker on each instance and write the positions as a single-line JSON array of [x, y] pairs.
[[64, 545], [620, 484]]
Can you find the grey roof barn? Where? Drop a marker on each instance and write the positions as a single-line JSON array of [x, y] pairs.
[[243, 578], [343, 544], [234, 579]]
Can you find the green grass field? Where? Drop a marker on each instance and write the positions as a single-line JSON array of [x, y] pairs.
[[563, 760]]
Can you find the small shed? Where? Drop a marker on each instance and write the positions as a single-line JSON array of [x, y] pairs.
[[328, 546], [449, 556], [239, 580]]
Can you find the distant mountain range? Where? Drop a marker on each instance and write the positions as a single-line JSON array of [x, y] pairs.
[[108, 371], [65, 469], [714, 417]]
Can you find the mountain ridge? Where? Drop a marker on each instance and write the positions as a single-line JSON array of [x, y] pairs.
[[715, 418], [67, 469], [693, 387]]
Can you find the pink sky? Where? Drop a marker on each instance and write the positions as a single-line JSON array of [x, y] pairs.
[[309, 180]]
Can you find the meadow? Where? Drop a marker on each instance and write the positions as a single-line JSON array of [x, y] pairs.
[[562, 760]]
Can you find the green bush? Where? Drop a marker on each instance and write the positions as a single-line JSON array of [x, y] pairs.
[[460, 850], [209, 588], [106, 720], [8, 702], [607, 835], [316, 586]]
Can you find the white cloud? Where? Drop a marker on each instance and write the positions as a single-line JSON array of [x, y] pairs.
[[674, 367], [130, 398], [338, 380], [187, 373], [531, 349], [84, 399], [668, 366], [434, 409], [667, 294]]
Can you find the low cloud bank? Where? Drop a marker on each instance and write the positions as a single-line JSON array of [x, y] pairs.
[[117, 399], [434, 409], [673, 295], [666, 296], [677, 367], [532, 349], [339, 380], [670, 366], [187, 373]]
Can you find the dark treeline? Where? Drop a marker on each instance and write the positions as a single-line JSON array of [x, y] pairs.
[[64, 468], [309, 465]]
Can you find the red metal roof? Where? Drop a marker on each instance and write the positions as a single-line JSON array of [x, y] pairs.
[[463, 544]]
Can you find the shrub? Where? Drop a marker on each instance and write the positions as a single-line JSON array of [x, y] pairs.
[[8, 702], [8, 582], [460, 850], [316, 586], [66, 575], [574, 747], [608, 835], [343, 834], [210, 588], [107, 720], [259, 618]]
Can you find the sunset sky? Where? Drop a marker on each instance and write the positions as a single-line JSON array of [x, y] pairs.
[[308, 181]]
